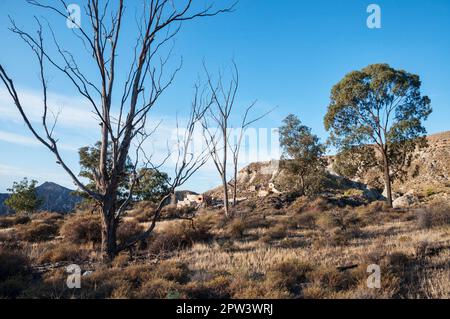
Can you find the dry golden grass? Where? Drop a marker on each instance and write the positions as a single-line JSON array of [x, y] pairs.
[[275, 253]]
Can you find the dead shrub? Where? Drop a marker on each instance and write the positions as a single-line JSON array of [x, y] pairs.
[[434, 216], [173, 271], [82, 228], [316, 292], [332, 279], [305, 220], [290, 275], [338, 228], [12, 263], [179, 235], [236, 228], [244, 288], [157, 288], [277, 232], [256, 221], [47, 216], [398, 262], [173, 211], [338, 219], [377, 207], [142, 211], [62, 253], [14, 273], [37, 231], [121, 260], [128, 229], [317, 205], [6, 238], [13, 220], [215, 288]]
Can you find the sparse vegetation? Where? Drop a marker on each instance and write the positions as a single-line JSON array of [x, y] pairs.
[[291, 253]]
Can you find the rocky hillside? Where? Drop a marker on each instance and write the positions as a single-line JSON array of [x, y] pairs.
[[430, 170], [54, 197], [428, 175]]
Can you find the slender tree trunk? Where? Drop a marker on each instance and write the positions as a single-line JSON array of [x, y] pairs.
[[109, 227], [387, 179], [235, 185], [226, 203]]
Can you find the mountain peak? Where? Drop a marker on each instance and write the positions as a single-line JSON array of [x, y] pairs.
[[51, 185]]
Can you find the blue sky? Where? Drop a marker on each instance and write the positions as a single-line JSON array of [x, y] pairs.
[[290, 53]]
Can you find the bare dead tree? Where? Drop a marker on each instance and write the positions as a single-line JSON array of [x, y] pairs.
[[216, 125], [217, 129], [146, 81], [235, 145], [189, 159]]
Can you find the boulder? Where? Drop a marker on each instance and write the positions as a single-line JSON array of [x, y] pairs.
[[405, 201]]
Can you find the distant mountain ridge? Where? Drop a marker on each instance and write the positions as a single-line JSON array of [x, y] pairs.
[[55, 198]]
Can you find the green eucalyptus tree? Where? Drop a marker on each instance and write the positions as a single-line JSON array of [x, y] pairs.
[[382, 106], [302, 155]]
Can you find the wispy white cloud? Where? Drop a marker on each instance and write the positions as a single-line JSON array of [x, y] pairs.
[[73, 112], [14, 138]]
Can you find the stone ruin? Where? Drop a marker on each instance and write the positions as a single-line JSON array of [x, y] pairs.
[[192, 200], [263, 191]]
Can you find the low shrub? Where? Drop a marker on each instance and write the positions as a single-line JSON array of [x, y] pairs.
[[128, 229], [157, 288], [215, 288], [236, 228], [434, 216], [14, 273], [47, 216], [317, 205], [173, 271], [82, 228], [277, 232], [37, 231], [290, 274], [13, 220], [377, 207], [337, 219], [65, 252], [173, 212], [305, 220], [179, 235], [332, 279]]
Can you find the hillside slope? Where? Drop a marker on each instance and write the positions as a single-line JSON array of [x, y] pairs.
[[429, 173]]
